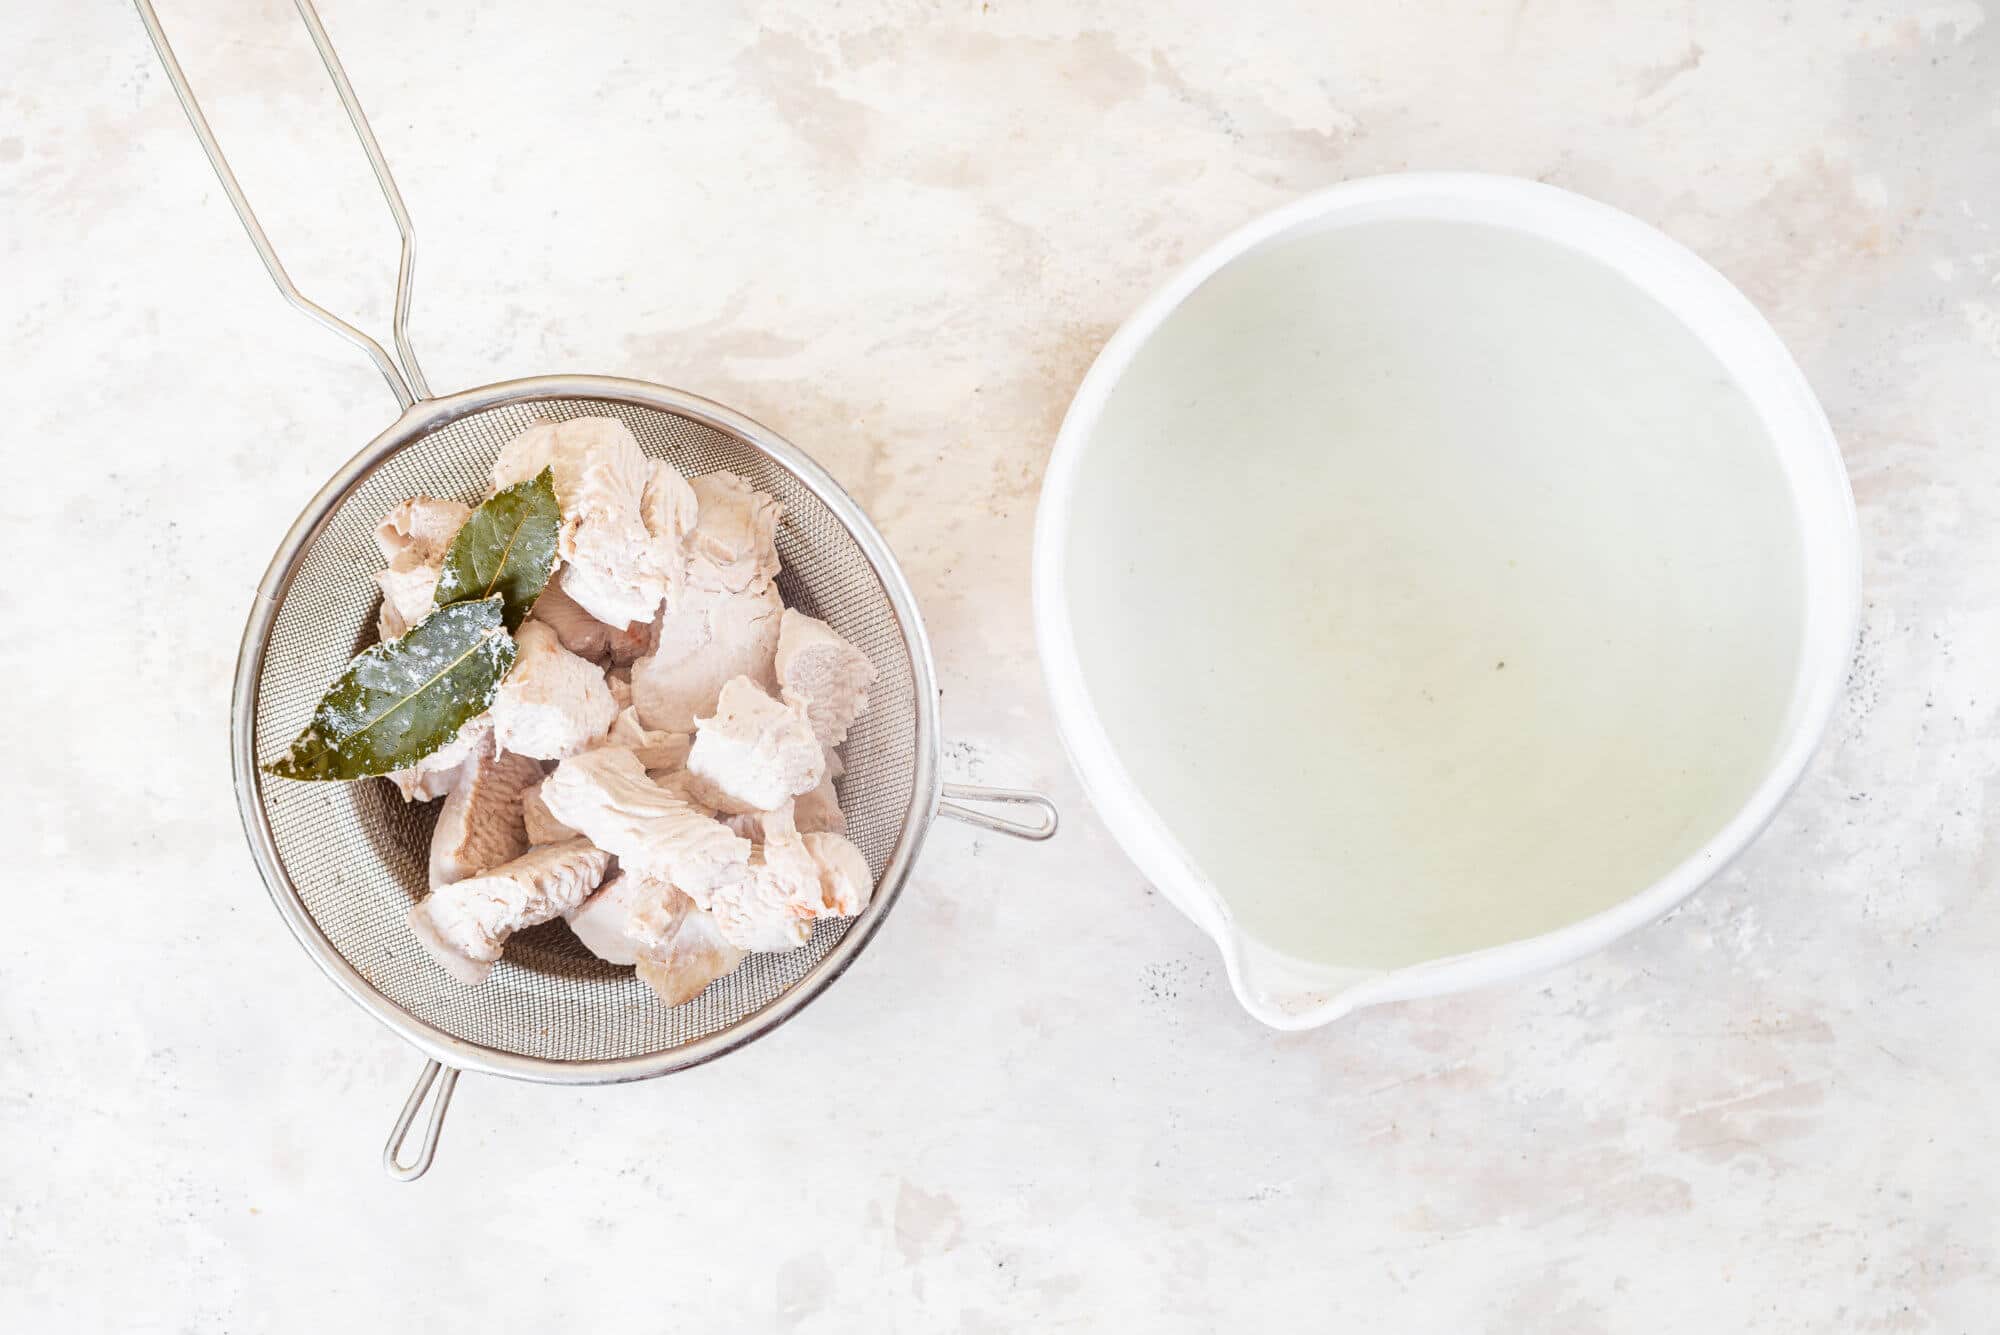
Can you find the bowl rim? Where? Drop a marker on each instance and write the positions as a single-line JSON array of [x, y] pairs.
[[419, 420], [1743, 343]]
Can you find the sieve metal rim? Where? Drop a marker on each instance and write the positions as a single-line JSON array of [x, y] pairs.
[[418, 422]]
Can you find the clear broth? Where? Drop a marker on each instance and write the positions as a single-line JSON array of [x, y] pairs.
[[1436, 587]]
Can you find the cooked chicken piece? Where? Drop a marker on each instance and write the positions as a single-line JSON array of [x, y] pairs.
[[634, 917], [654, 749], [541, 823], [641, 920], [480, 824], [819, 810], [408, 586], [769, 901], [670, 505], [437, 773], [844, 880], [761, 826], [682, 785], [423, 526], [605, 794], [604, 923], [587, 637], [704, 641], [617, 598], [756, 826], [612, 566], [633, 643], [669, 510], [552, 703], [753, 753], [830, 675], [792, 880], [619, 680], [465, 925], [418, 784], [772, 903], [580, 632], [733, 547], [413, 539], [696, 955]]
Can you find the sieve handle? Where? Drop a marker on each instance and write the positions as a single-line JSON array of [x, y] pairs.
[[409, 377], [960, 792], [392, 1152]]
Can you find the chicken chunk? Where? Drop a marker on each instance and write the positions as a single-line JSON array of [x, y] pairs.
[[604, 922], [580, 632], [633, 643], [669, 509], [637, 919], [587, 637], [613, 566], [422, 526], [607, 796], [696, 955], [791, 881], [845, 883], [706, 640], [827, 673], [772, 903], [733, 548], [619, 680], [437, 773], [408, 586], [654, 749], [481, 824], [754, 753], [618, 599], [762, 826], [539, 822], [819, 810], [552, 703], [413, 539], [682, 785], [465, 925]]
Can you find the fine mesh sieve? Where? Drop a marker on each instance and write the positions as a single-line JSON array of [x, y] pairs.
[[344, 862]]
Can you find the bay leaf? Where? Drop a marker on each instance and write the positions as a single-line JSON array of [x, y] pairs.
[[402, 699], [507, 547]]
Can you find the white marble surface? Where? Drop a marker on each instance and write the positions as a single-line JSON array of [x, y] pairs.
[[897, 232]]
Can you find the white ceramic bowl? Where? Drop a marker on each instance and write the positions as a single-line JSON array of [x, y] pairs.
[[1331, 427]]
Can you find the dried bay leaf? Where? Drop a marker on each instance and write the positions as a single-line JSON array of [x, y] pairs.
[[507, 547], [402, 699]]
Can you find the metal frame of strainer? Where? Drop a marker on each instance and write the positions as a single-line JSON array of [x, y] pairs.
[[422, 414]]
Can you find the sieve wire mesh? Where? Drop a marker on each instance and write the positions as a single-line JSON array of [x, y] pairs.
[[356, 853]]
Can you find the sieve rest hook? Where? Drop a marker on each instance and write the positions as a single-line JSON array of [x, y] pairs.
[[1043, 829], [391, 1153]]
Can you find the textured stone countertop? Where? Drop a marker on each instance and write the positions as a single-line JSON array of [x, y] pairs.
[[897, 233]]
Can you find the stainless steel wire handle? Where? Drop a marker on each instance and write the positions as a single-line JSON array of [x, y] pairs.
[[406, 381], [1044, 828], [392, 1160]]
